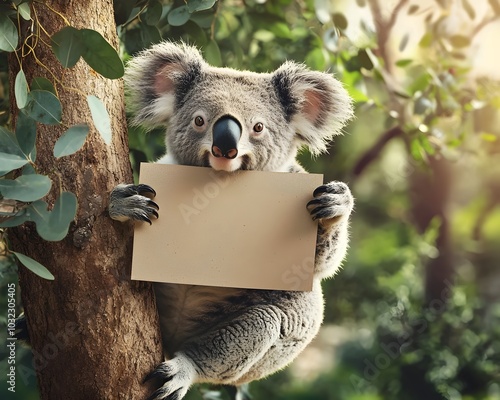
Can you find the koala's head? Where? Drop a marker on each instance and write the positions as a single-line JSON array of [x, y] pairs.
[[230, 119]]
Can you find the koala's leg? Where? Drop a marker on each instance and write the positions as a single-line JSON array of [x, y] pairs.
[[133, 202], [221, 355], [332, 205]]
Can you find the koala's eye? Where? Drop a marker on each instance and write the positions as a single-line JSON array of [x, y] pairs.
[[199, 121], [258, 127]]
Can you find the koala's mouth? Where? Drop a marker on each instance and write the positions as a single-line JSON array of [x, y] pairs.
[[225, 164]]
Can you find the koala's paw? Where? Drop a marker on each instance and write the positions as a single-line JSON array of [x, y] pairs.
[[332, 203], [133, 202], [175, 377]]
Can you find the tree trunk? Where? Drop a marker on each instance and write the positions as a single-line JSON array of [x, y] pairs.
[[430, 191], [94, 333]]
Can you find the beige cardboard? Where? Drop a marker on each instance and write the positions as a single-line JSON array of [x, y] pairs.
[[248, 229]]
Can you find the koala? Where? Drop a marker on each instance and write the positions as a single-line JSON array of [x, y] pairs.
[[232, 120]]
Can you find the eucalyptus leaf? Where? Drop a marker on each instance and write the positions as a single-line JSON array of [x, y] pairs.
[[44, 107], [404, 62], [469, 9], [24, 11], [179, 16], [122, 10], [153, 13], [21, 89], [26, 135], [413, 9], [426, 40], [9, 143], [8, 34], [16, 220], [200, 5], [54, 225], [340, 21], [28, 170], [132, 39], [63, 213], [34, 266], [100, 55], [68, 46], [149, 35], [263, 35], [26, 188], [204, 20], [71, 140], [404, 42], [196, 33], [422, 105], [39, 214], [281, 30], [40, 83], [364, 60], [416, 150], [459, 41], [101, 118], [9, 162]]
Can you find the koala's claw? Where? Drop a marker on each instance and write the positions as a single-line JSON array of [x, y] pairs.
[[145, 190], [133, 202], [331, 202], [162, 393], [174, 376]]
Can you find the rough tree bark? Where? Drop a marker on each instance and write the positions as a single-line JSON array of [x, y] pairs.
[[94, 332]]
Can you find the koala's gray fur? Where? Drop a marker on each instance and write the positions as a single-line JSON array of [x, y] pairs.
[[226, 335]]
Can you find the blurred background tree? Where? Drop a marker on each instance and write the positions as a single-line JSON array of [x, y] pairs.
[[415, 314]]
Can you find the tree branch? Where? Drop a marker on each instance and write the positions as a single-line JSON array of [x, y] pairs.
[[372, 154], [395, 13]]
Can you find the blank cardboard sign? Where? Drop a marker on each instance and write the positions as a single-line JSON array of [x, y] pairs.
[[248, 229]]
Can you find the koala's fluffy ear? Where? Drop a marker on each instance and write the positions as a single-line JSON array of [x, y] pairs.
[[315, 103], [158, 79]]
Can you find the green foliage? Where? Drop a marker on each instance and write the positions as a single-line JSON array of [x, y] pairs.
[[101, 118], [69, 44], [21, 89], [71, 141], [39, 103], [26, 188], [44, 107], [34, 266], [8, 34], [53, 225], [100, 55]]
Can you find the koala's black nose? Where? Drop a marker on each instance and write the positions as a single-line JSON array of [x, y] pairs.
[[226, 135]]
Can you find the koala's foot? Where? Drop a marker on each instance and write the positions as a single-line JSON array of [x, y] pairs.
[[175, 377], [332, 203], [21, 330], [133, 202]]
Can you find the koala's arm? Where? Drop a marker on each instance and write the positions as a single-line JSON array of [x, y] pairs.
[[331, 206]]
